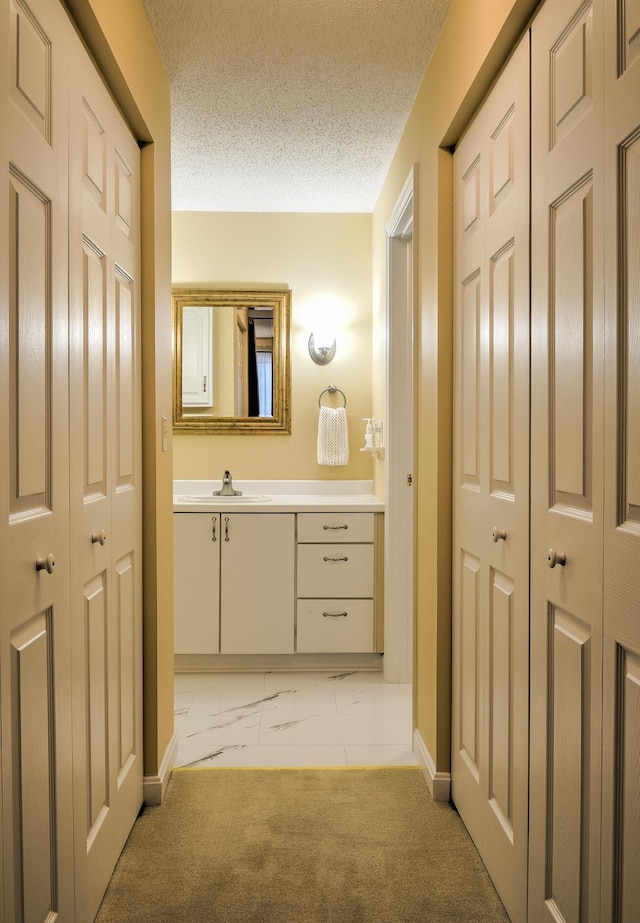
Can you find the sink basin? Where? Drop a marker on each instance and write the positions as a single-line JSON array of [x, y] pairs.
[[224, 501]]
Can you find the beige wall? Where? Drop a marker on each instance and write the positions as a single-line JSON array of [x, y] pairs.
[[475, 42], [326, 262], [118, 34]]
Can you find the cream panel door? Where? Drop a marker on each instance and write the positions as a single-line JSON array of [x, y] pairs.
[[257, 594], [491, 486], [196, 597], [621, 716], [566, 461], [105, 480], [35, 742]]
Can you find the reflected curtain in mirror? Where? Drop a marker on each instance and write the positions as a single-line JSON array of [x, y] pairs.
[[231, 361]]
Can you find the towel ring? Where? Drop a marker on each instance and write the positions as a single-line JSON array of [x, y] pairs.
[[332, 390]]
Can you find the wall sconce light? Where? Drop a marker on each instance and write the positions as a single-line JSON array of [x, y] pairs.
[[322, 348]]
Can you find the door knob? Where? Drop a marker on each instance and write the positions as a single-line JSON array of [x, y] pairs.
[[556, 557], [498, 534], [47, 563], [99, 538]]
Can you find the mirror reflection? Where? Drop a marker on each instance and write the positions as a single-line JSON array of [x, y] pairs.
[[231, 361]]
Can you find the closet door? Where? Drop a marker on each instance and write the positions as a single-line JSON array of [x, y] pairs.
[[105, 480], [566, 462], [491, 482], [621, 737], [35, 742]]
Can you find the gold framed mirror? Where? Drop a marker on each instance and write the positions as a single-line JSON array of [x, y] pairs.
[[231, 361]]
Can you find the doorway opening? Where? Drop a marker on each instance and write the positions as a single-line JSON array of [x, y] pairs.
[[399, 491]]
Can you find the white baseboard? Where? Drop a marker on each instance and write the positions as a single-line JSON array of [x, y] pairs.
[[155, 787], [438, 783]]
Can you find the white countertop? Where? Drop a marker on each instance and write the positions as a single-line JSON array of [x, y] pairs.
[[278, 497]]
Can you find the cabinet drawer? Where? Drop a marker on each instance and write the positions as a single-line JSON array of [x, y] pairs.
[[335, 570], [335, 527], [335, 625]]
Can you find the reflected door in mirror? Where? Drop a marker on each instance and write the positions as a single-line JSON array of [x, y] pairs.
[[197, 357]]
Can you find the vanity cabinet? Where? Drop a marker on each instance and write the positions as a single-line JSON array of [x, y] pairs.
[[336, 580], [234, 583], [277, 583]]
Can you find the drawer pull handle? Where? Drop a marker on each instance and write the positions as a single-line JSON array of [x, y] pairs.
[[334, 615], [334, 527], [327, 558]]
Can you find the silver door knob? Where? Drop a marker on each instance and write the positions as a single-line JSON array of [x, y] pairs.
[[47, 563], [498, 534], [99, 538], [556, 557]]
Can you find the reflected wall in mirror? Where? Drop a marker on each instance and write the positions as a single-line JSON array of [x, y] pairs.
[[231, 368]]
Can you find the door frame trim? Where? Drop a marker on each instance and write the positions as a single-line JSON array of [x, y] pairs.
[[400, 543]]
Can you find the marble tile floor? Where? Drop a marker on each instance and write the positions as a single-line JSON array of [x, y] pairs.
[[292, 719]]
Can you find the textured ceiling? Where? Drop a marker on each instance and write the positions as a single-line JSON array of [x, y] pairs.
[[289, 105]]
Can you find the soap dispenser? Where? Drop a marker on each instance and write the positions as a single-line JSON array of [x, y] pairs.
[[368, 433]]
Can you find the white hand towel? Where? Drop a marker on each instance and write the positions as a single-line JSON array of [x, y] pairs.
[[333, 438]]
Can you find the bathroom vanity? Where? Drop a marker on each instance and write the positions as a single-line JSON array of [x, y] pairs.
[[288, 569]]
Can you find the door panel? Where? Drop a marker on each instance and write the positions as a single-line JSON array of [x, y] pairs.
[[491, 481], [621, 756], [566, 462], [257, 613], [105, 481], [35, 701]]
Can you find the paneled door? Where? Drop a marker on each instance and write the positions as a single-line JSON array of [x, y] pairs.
[[621, 709], [105, 426], [36, 793], [491, 482], [567, 461]]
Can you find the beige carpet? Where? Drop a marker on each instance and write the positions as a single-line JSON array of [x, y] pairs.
[[290, 846]]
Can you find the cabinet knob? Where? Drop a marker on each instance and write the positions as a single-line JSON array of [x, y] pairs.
[[556, 557], [498, 534], [327, 558], [47, 563], [99, 538]]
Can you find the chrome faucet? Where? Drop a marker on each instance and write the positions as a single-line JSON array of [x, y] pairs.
[[227, 487]]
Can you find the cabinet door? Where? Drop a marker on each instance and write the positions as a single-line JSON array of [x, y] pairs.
[[197, 357], [257, 592], [197, 583]]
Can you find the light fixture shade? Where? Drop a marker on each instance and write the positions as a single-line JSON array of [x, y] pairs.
[[323, 351]]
